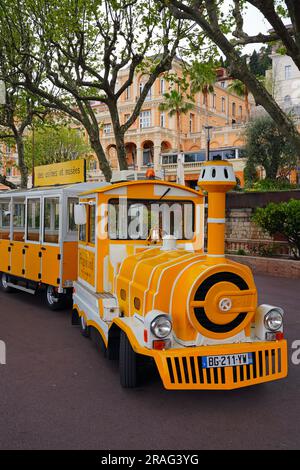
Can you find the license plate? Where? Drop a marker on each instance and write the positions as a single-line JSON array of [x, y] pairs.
[[227, 360]]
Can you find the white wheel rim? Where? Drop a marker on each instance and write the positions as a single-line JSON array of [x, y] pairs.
[[51, 297], [4, 281], [83, 324]]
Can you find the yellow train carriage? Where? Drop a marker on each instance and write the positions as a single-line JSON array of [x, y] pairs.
[[38, 241], [146, 290]]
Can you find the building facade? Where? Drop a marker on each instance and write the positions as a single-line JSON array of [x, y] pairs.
[[152, 139]]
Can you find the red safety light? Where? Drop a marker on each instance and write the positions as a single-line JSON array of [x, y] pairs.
[[159, 344], [150, 174], [279, 336], [146, 336]]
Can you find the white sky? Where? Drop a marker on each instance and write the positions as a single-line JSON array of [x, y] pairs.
[[254, 23]]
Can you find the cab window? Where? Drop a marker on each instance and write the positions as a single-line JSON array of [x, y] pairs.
[[132, 219], [33, 219], [92, 224], [82, 233], [51, 220], [72, 201]]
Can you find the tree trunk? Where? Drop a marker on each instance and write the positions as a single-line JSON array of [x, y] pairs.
[[21, 161], [247, 103], [121, 149], [98, 149], [4, 181], [119, 134], [178, 131]]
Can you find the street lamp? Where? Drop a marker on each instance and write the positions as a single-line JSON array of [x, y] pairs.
[[208, 136]]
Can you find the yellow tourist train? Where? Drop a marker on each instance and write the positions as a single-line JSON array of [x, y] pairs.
[[143, 287]]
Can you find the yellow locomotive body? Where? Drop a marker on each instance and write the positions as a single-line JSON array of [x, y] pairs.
[[162, 297]]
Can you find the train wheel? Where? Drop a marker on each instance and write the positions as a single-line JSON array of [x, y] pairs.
[[54, 300], [4, 284], [128, 363], [84, 328]]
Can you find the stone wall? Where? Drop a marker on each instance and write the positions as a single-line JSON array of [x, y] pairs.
[[272, 266], [243, 234]]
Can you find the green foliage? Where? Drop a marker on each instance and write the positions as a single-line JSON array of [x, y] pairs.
[[284, 219], [239, 88], [268, 147], [272, 185], [175, 102], [241, 252], [54, 145], [260, 61], [202, 77]]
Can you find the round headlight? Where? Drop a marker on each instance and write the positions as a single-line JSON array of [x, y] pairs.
[[161, 326], [273, 320]]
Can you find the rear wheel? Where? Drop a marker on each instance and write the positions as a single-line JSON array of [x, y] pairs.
[[54, 300], [128, 363], [4, 283], [84, 328]]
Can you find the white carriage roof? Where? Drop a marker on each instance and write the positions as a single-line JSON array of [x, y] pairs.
[[67, 189]]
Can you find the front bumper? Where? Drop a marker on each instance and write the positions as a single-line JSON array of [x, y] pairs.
[[181, 369]]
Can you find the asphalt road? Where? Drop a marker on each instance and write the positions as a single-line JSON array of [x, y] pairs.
[[58, 392]]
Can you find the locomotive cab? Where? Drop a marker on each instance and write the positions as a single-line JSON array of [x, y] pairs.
[[147, 287]]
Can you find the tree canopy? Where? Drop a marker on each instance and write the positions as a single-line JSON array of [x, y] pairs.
[[80, 48], [55, 144], [221, 23], [268, 147]]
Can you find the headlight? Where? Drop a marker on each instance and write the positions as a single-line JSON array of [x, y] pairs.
[[161, 326], [273, 320]]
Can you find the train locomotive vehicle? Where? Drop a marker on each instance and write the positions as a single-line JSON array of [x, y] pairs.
[[158, 296]]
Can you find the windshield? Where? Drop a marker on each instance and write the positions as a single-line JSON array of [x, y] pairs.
[[132, 219]]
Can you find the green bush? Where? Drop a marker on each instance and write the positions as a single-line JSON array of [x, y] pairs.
[[272, 185], [241, 252], [284, 219]]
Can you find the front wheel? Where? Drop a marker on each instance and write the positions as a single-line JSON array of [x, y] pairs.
[[128, 363], [54, 300], [4, 283]]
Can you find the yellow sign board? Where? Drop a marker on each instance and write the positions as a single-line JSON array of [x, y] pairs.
[[87, 266], [70, 172]]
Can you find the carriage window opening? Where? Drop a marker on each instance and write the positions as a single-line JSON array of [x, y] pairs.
[[226, 173], [213, 173], [51, 220], [33, 219], [5, 220], [19, 221], [92, 224], [133, 219], [72, 227]]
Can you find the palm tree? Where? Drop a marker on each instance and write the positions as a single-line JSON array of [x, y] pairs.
[[175, 104], [202, 79], [240, 89]]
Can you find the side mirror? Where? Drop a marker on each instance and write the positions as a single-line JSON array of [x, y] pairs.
[[80, 214]]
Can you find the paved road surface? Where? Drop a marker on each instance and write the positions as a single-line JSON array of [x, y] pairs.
[[57, 391]]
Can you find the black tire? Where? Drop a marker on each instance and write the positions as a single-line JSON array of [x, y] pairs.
[[127, 363], [84, 328], [3, 284], [54, 300]]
